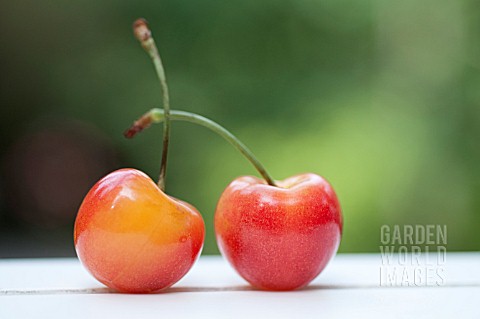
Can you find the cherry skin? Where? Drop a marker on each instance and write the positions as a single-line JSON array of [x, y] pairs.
[[279, 238], [134, 238]]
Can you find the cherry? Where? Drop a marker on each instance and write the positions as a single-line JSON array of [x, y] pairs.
[[279, 237], [134, 238], [129, 234]]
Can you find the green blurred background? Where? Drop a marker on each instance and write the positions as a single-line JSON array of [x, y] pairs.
[[380, 97]]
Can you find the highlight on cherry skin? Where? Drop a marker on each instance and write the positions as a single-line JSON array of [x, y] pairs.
[[279, 237], [134, 238]]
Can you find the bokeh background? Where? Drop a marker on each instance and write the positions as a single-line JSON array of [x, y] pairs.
[[380, 97]]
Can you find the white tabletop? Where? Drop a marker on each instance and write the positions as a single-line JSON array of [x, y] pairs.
[[350, 287]]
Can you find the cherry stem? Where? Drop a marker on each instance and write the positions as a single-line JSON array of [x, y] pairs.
[[158, 115], [144, 35]]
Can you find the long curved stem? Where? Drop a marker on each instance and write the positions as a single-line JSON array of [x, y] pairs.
[[158, 115], [143, 34]]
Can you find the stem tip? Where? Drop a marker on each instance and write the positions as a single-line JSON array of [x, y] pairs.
[[139, 125], [141, 30]]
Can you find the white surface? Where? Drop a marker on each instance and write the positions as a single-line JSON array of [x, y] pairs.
[[349, 287]]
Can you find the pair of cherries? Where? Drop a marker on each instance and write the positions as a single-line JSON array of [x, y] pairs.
[[134, 238]]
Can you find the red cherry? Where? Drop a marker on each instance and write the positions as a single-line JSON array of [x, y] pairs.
[[279, 238], [134, 238]]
